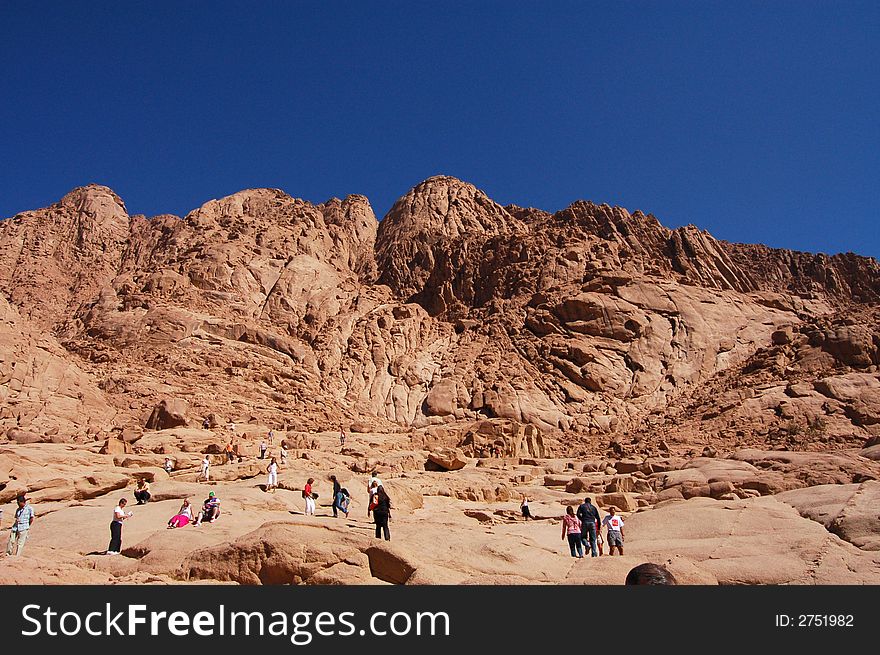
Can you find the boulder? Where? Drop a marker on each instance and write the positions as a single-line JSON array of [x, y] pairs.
[[169, 413], [23, 436], [115, 446], [624, 502], [448, 459]]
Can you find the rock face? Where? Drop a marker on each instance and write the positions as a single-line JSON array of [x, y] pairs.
[[725, 397], [590, 323]]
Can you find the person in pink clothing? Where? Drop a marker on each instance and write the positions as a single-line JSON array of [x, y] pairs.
[[183, 517], [571, 528]]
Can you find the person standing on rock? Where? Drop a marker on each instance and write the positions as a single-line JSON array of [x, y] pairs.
[[272, 470], [372, 484], [615, 531], [341, 437], [119, 515], [271, 436], [309, 497], [206, 469], [283, 453], [589, 516], [263, 449], [382, 513], [229, 454], [571, 528], [18, 533], [336, 488], [342, 500], [524, 508]]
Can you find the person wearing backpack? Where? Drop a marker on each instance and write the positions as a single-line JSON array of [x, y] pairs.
[[382, 513]]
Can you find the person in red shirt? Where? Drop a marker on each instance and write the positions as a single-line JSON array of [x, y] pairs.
[[307, 495]]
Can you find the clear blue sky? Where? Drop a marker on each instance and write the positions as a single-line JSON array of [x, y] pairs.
[[757, 121]]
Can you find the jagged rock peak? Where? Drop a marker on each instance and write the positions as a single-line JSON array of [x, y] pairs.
[[446, 207], [94, 198]]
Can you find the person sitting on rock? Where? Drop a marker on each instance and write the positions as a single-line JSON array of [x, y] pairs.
[[142, 493], [169, 465], [210, 510], [183, 517]]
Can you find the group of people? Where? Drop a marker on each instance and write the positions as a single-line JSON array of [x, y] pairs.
[[210, 512], [583, 529], [378, 504]]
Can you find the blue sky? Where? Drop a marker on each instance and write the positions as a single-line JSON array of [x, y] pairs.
[[757, 121]]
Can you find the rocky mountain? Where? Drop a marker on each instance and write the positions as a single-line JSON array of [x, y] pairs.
[[592, 324]]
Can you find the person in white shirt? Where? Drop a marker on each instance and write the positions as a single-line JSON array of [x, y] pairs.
[[206, 466], [614, 524], [119, 515], [373, 484], [272, 470]]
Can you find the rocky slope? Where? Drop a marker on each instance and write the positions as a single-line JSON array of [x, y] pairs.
[[588, 323], [471, 352]]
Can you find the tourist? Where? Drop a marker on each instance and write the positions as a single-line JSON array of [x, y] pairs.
[[649, 573], [283, 453], [336, 489], [524, 508], [309, 496], [18, 534], [341, 437], [342, 500], [169, 465], [206, 423], [271, 436], [373, 500], [589, 516], [382, 513], [119, 515], [372, 484], [615, 531], [230, 456], [210, 510], [272, 470], [600, 542], [263, 449], [183, 517], [206, 467], [142, 492], [571, 528]]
